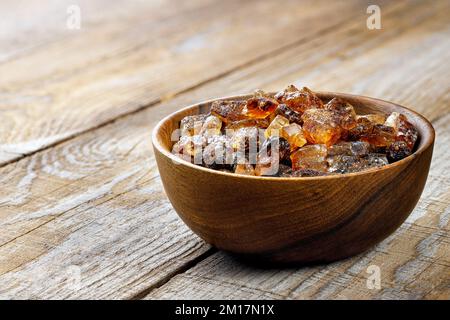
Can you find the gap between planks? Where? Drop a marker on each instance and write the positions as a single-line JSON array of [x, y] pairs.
[[182, 269]]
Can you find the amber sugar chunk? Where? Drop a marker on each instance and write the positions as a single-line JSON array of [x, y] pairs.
[[406, 136], [299, 100], [310, 157], [375, 118], [260, 106], [260, 123], [344, 113], [363, 127], [245, 169], [321, 127], [229, 111], [404, 130], [275, 126], [379, 136], [293, 133]]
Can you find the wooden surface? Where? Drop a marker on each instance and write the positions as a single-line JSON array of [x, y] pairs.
[[82, 211]]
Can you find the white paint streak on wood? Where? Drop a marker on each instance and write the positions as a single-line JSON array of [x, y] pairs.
[[22, 190]]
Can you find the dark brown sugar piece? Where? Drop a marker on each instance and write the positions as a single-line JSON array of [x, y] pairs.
[[288, 113], [404, 130], [344, 113], [398, 150], [310, 157], [380, 136], [320, 126], [363, 127], [349, 164], [351, 148]]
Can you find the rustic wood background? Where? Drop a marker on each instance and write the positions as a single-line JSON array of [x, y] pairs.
[[82, 210]]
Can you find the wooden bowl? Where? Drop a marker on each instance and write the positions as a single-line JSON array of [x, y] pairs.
[[295, 220]]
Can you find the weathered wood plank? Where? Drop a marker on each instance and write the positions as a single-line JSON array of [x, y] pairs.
[[407, 273], [90, 202], [25, 28], [407, 53], [137, 56], [97, 208]]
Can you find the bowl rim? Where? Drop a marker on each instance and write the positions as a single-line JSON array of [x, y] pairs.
[[426, 141]]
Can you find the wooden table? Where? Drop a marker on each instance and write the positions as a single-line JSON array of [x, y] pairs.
[[82, 210]]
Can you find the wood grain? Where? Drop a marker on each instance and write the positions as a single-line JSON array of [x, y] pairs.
[[139, 55], [55, 203], [78, 211], [358, 62]]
